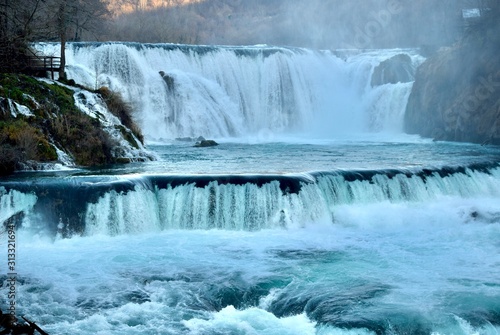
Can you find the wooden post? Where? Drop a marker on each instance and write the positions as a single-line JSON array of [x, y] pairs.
[[52, 68]]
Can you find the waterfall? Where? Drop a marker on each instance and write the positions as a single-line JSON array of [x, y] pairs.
[[315, 213], [148, 203], [221, 92], [13, 203], [220, 205]]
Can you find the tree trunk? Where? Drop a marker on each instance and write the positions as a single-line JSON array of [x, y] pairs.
[[62, 72], [62, 35]]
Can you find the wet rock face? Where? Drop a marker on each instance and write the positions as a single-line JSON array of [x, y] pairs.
[[456, 96], [397, 69]]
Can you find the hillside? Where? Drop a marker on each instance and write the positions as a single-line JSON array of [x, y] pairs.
[[46, 125], [315, 24]]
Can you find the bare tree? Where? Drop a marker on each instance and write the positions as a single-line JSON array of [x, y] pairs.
[[23, 21], [72, 18], [16, 22]]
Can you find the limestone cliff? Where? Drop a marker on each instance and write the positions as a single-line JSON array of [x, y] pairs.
[[456, 94]]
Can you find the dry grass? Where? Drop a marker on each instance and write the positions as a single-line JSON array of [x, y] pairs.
[[121, 109]]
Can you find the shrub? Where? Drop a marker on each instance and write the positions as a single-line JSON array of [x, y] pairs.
[[29, 141], [83, 137], [9, 156], [122, 110]]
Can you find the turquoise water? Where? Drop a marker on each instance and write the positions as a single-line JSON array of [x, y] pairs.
[[304, 155], [314, 215], [379, 238]]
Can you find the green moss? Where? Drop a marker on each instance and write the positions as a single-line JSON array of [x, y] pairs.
[[128, 136], [16, 94], [56, 118], [63, 97], [16, 87]]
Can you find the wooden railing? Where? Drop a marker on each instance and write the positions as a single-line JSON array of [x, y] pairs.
[[44, 64]]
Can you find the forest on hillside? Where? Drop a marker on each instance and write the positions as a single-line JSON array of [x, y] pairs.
[[321, 24], [314, 23]]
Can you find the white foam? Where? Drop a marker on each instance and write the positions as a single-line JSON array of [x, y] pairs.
[[252, 207], [14, 202], [459, 326], [251, 321], [222, 93]]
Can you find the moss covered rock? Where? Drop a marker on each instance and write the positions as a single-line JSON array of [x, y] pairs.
[[37, 116]]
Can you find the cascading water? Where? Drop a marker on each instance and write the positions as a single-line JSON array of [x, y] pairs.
[[232, 202], [242, 91], [343, 226]]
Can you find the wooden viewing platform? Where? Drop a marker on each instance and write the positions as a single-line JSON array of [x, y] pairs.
[[44, 64]]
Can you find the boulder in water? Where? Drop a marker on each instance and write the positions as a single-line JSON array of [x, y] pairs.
[[397, 69], [206, 143], [190, 139], [168, 79]]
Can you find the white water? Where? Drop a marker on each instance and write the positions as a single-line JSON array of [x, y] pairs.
[[431, 260], [242, 91], [250, 207], [379, 247], [14, 202]]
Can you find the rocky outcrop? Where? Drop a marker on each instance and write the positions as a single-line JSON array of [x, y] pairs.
[[44, 124], [169, 80], [456, 94], [206, 143], [397, 69]]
